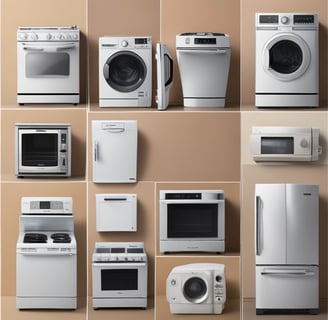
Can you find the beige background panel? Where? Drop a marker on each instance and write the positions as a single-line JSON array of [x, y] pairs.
[[232, 210], [203, 16], [16, 13], [183, 146], [282, 119], [145, 223], [248, 10], [119, 18], [11, 194], [77, 119], [280, 174]]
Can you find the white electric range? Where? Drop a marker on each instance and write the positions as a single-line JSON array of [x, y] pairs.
[[46, 254]]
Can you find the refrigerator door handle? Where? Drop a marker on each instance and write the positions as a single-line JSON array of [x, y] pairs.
[[258, 229], [287, 272], [96, 151]]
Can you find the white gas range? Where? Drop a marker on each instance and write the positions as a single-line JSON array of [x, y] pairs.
[[48, 65], [46, 255], [119, 271]]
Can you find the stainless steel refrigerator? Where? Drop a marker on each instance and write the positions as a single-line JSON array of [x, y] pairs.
[[287, 248]]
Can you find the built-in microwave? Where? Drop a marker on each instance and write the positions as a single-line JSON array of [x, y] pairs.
[[285, 143], [43, 149], [192, 220]]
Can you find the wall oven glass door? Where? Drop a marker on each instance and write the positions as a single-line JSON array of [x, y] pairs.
[[39, 151], [119, 280], [196, 220], [48, 68]]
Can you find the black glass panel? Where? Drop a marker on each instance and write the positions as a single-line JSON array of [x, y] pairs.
[[277, 145], [47, 64], [285, 57], [40, 150], [119, 279], [192, 220]]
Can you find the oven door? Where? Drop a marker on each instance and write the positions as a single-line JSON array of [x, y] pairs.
[[46, 275], [196, 220], [48, 68], [40, 151], [119, 280]]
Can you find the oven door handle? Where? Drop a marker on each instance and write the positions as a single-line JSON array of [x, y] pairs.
[[46, 254], [50, 48], [119, 264]]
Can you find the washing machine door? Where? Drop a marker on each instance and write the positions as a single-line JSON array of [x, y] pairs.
[[286, 57], [125, 71], [195, 289]]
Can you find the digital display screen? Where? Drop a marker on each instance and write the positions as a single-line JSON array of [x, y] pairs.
[[44, 204], [269, 19], [277, 145]]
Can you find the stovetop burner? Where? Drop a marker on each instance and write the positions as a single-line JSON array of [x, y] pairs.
[[61, 237], [35, 238]]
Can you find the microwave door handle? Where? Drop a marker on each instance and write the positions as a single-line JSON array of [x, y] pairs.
[[257, 225]]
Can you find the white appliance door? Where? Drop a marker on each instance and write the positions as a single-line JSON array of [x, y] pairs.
[[116, 212], [164, 75], [119, 280], [114, 151], [270, 223], [292, 287], [46, 275], [302, 202], [48, 67]]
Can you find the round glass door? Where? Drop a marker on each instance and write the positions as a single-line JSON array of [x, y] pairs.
[[195, 290], [286, 57], [125, 71]]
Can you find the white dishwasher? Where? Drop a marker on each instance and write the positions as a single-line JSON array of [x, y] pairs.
[[114, 151], [204, 62]]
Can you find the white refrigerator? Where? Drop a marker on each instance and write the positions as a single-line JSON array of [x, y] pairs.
[[115, 144], [287, 248]]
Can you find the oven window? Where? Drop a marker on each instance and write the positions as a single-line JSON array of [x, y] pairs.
[[46, 64], [277, 145], [119, 279], [192, 220], [40, 150]]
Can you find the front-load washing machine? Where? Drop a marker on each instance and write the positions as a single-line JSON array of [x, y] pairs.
[[125, 71], [204, 61], [287, 60]]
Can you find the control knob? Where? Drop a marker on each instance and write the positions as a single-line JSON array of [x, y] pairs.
[[34, 36], [23, 36], [284, 20], [49, 36], [124, 43]]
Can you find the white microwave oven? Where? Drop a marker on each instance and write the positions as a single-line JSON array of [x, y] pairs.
[[192, 221], [43, 149], [285, 144]]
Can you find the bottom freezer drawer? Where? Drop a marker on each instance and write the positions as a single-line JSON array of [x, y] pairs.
[[287, 288]]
